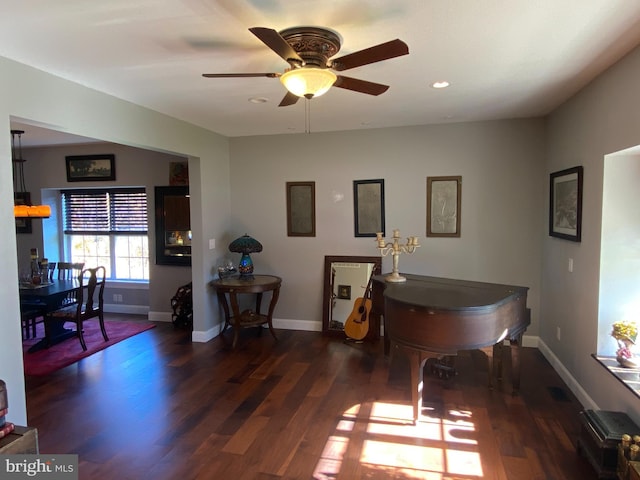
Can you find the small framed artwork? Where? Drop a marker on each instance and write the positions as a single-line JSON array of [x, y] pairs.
[[565, 204], [91, 168], [301, 209], [368, 207], [344, 292], [178, 174], [444, 196], [23, 225]]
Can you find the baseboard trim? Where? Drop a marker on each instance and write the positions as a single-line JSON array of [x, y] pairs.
[[304, 325], [585, 400], [130, 309]]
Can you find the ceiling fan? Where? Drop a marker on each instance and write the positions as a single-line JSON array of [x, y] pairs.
[[309, 52]]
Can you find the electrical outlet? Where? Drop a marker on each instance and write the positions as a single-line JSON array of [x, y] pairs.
[[558, 333]]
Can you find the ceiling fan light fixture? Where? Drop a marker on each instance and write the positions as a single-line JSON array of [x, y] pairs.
[[308, 82]]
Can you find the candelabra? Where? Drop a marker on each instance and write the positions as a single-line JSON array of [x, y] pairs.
[[395, 249]]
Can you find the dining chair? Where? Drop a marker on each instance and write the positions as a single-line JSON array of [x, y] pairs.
[[50, 271], [69, 271], [29, 315], [90, 304]]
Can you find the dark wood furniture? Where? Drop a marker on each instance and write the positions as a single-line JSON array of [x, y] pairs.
[[173, 225], [248, 284], [600, 433], [90, 304], [69, 270], [431, 317], [50, 296], [23, 440]]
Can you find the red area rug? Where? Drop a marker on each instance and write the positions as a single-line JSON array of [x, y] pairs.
[[69, 351]]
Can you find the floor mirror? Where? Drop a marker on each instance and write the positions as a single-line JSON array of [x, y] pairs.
[[345, 282]]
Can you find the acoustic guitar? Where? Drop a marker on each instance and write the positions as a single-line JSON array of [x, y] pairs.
[[357, 325]]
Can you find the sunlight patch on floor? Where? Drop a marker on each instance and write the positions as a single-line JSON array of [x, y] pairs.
[[433, 449]]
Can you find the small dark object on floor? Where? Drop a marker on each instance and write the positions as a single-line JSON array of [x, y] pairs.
[[182, 305], [558, 394]]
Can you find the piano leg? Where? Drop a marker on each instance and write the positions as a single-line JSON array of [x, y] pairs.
[[515, 343], [417, 360]]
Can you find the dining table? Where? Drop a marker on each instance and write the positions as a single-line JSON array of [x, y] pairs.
[[49, 296]]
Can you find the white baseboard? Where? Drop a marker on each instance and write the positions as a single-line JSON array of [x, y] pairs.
[[304, 325], [585, 400], [122, 308]]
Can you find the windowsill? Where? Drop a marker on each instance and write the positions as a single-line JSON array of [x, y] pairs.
[[128, 284], [630, 377]]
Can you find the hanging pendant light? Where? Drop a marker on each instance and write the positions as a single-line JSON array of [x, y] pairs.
[[25, 210]]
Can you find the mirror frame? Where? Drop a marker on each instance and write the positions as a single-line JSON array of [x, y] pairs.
[[326, 293], [161, 257]]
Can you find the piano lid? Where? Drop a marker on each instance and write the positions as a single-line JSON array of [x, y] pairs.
[[450, 294]]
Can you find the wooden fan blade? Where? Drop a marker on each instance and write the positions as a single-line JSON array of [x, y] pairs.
[[240, 75], [384, 51], [289, 99], [275, 42], [362, 86]]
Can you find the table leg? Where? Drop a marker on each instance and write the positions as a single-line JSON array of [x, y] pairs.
[[235, 309], [272, 306], [222, 300], [55, 332]]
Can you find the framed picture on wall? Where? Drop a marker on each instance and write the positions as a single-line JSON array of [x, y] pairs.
[[368, 207], [565, 204], [301, 209], [90, 168], [444, 196]]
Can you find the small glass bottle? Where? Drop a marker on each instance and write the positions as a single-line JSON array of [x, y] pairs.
[[36, 276]]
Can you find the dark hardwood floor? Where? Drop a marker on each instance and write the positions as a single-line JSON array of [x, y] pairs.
[[306, 407]]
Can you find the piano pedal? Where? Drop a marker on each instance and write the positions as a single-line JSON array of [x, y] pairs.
[[442, 368]]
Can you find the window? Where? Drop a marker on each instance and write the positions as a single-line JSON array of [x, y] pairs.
[[109, 228]]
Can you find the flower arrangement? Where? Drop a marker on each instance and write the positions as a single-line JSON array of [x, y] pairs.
[[625, 333]]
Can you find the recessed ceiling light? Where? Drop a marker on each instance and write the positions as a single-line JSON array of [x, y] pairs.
[[441, 84], [258, 100]]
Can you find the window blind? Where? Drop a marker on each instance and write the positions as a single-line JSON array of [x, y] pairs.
[[107, 211]]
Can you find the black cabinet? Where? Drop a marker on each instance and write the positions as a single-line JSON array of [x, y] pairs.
[[173, 226]]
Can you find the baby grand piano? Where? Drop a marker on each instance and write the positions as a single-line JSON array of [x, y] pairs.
[[431, 317]]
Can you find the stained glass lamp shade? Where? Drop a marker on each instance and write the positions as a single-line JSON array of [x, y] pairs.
[[245, 245]]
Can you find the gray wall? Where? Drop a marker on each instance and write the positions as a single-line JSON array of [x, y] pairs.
[[502, 213], [603, 118]]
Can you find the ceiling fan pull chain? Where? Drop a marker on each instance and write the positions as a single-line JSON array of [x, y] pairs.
[[307, 115]]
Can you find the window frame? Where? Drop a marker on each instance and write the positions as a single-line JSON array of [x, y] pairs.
[[112, 229]]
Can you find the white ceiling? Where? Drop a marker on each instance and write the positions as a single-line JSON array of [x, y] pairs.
[[503, 58]]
